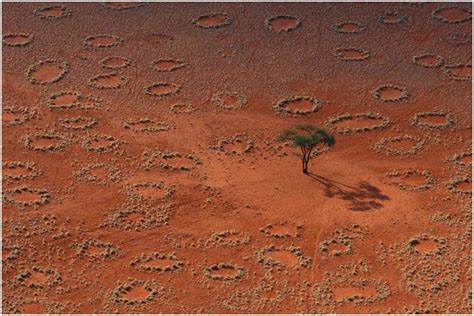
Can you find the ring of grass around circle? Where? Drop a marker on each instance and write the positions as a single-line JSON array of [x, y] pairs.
[[417, 120], [43, 200], [227, 21], [33, 172], [208, 271], [281, 106], [141, 262], [28, 39], [429, 179], [268, 23], [435, 15], [370, 115], [64, 69]]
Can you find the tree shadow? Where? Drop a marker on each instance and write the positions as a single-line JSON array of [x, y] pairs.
[[364, 197]]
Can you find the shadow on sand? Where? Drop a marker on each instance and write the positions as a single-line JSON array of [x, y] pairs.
[[364, 197]]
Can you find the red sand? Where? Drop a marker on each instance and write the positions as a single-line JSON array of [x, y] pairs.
[[346, 202]]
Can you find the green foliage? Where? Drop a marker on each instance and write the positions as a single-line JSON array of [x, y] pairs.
[[307, 137]]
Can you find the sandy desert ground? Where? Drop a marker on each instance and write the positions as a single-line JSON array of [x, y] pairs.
[[141, 171]]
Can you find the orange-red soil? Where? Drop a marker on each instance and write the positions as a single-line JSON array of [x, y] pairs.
[[354, 239]]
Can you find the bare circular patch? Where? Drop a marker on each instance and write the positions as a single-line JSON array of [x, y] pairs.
[[39, 278], [17, 39], [182, 108], [238, 144], [212, 20], [347, 123], [100, 143], [122, 5], [286, 257], [392, 18], [46, 71], [230, 238], [169, 160], [461, 185], [114, 62], [399, 145], [45, 141], [146, 125], [459, 71], [139, 215], [78, 123], [19, 170], [102, 41], [161, 89], [229, 100], [95, 249], [391, 93], [53, 12], [452, 14], [72, 100], [135, 292], [108, 81], [458, 38], [15, 115], [349, 27], [298, 105], [428, 60], [411, 180], [149, 190], [157, 262], [427, 245], [351, 54], [99, 172], [224, 272], [167, 64], [24, 196], [433, 120], [282, 23]]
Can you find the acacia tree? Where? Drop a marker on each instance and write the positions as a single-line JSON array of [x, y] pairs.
[[307, 137]]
